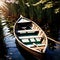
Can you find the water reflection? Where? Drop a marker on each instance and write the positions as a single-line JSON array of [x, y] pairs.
[[12, 52]]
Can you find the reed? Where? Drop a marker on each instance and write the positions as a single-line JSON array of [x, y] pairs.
[[36, 10]]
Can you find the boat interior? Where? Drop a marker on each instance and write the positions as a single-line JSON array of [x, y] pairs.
[[30, 35]]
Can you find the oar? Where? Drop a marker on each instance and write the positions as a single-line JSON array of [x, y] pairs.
[[53, 40]]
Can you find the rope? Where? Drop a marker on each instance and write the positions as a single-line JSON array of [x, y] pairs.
[[53, 40]]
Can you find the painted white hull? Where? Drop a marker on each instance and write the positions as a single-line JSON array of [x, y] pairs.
[[36, 54]]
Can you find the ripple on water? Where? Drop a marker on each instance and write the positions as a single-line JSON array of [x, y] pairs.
[[14, 54]]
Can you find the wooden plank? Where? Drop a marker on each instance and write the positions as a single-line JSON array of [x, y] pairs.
[[37, 45], [32, 40], [38, 39], [28, 31], [29, 37], [25, 40]]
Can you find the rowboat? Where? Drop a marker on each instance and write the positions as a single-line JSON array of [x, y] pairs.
[[30, 37]]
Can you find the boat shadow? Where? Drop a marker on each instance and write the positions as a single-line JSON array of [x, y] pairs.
[[24, 53]]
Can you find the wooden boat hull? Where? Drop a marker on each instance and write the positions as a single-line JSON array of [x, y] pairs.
[[36, 54]]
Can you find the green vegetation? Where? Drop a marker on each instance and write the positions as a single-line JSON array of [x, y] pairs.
[[46, 13], [10, 24], [43, 10]]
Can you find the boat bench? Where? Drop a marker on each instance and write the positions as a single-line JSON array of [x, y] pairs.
[[32, 45], [27, 31], [29, 37], [31, 40]]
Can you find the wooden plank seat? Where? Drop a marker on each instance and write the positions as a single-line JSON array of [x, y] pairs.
[[33, 40], [40, 45], [25, 40], [30, 40], [29, 37], [28, 34], [27, 31], [38, 39], [37, 45]]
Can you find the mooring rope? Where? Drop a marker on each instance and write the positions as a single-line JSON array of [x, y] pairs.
[[53, 40]]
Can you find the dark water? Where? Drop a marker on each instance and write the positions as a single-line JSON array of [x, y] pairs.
[[12, 51]]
